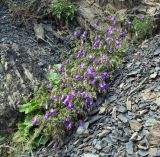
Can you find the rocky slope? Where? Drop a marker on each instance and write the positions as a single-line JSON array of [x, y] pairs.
[[23, 62], [91, 11], [127, 124]]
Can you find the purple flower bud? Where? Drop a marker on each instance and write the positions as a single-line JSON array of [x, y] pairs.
[[77, 78], [105, 75], [46, 117], [61, 69], [123, 33], [17, 102], [73, 95], [76, 34], [110, 50], [109, 31], [142, 18], [112, 21], [54, 98], [55, 145], [67, 100], [93, 82], [83, 94], [69, 126], [107, 40], [52, 112], [82, 65], [103, 86], [129, 24], [96, 44], [84, 35], [118, 43], [97, 24], [35, 120], [103, 59], [50, 85], [70, 107]]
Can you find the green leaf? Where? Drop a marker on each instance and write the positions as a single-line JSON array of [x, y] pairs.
[[29, 107]]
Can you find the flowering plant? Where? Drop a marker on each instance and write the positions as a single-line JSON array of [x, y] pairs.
[[72, 87]]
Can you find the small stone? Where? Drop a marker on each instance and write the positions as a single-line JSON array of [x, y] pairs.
[[134, 136], [121, 109], [112, 98], [39, 32], [102, 110], [90, 155], [153, 76], [149, 122], [98, 146], [103, 133], [133, 73], [122, 118], [95, 119], [83, 130], [129, 105], [129, 147], [154, 152], [143, 153], [157, 52], [135, 125]]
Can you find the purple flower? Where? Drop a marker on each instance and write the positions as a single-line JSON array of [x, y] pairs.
[[105, 75], [117, 42], [96, 44], [110, 50], [73, 95], [93, 82], [67, 100], [70, 107], [107, 40], [142, 18], [83, 94], [54, 98], [46, 117], [109, 31], [103, 86], [82, 65], [69, 126], [76, 34], [50, 85], [61, 69], [17, 102], [129, 24], [97, 24], [77, 78], [52, 112], [123, 33], [103, 59], [112, 21], [35, 120], [84, 35], [55, 145]]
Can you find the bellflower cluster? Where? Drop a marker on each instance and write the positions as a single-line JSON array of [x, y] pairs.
[[82, 78]]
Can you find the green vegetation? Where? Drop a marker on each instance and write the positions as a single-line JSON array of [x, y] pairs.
[[63, 10], [142, 27]]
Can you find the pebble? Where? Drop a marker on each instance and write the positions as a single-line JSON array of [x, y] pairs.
[[135, 125], [129, 147], [123, 118]]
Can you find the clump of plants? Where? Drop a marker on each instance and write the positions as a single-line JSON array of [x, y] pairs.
[[64, 10], [142, 27], [62, 103]]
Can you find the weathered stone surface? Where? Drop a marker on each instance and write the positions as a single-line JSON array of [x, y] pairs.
[[23, 63], [135, 125]]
